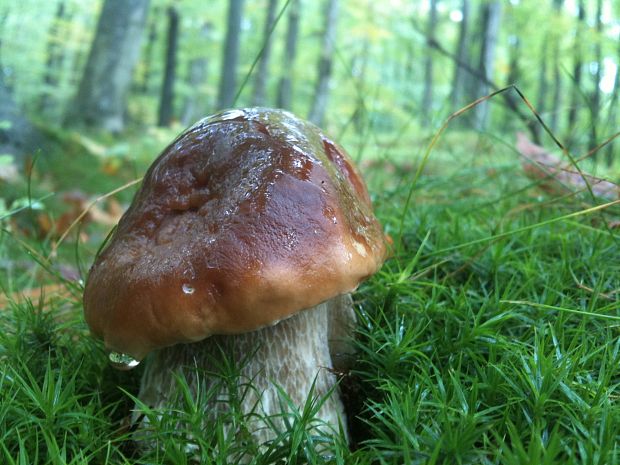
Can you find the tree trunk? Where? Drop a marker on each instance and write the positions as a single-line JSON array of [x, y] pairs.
[[407, 102], [462, 48], [18, 136], [576, 87], [228, 80], [490, 31], [262, 72], [612, 117], [54, 60], [148, 53], [514, 70], [166, 102], [409, 63], [101, 98], [197, 74], [319, 103], [77, 60], [427, 98], [557, 76], [3, 16], [595, 103], [285, 89], [359, 65], [541, 100]]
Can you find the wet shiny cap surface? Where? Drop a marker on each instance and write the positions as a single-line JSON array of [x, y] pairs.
[[246, 218]]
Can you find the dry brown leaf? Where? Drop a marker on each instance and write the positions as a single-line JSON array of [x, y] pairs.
[[34, 295], [87, 208], [115, 208], [90, 145], [80, 211], [557, 177], [111, 166], [100, 216]]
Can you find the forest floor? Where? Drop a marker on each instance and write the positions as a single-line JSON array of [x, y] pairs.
[[490, 335]]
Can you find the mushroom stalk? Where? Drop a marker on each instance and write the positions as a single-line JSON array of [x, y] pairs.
[[295, 355]]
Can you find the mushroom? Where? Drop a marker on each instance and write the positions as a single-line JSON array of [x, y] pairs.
[[246, 237]]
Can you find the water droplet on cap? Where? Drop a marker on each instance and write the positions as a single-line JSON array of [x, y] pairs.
[[122, 361], [187, 289]]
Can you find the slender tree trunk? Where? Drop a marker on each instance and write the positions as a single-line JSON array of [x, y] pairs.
[[514, 50], [166, 102], [475, 74], [408, 102], [228, 80], [514, 70], [427, 98], [556, 102], [319, 103], [462, 48], [595, 105], [359, 66], [196, 77], [285, 89], [409, 62], [148, 53], [262, 73], [543, 83], [490, 31], [18, 137], [576, 85], [102, 94], [612, 117], [3, 16], [77, 60], [54, 60]]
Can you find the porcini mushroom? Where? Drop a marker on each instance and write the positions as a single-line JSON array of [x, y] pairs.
[[248, 233]]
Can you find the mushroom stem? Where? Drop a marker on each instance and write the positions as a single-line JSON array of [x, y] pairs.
[[293, 354]]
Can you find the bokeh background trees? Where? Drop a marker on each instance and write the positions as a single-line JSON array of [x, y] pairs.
[[346, 64]]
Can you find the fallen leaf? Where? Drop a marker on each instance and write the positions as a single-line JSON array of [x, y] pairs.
[[34, 295], [557, 177]]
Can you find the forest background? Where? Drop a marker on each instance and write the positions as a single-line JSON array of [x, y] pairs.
[[348, 65], [491, 334]]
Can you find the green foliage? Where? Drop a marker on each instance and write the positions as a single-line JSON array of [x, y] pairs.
[[58, 402], [486, 338], [461, 362], [490, 336]]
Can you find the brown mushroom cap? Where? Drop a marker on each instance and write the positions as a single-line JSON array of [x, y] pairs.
[[246, 218]]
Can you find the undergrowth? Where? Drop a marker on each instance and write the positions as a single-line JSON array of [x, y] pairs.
[[490, 336]]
